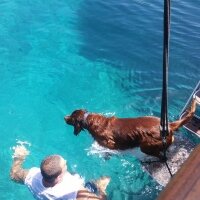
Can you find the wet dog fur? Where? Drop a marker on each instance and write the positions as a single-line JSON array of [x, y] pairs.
[[125, 133]]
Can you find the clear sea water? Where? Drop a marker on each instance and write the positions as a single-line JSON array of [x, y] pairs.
[[104, 56]]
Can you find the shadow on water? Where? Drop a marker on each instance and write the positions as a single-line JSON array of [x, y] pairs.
[[121, 33], [129, 34]]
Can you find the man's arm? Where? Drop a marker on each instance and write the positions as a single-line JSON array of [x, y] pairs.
[[101, 185], [85, 194], [17, 173]]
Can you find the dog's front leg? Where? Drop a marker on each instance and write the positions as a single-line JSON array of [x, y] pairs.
[[152, 150], [109, 142]]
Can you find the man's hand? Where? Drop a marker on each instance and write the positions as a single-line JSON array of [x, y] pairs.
[[20, 152], [17, 173]]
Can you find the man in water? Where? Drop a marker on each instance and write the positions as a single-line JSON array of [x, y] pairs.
[[52, 180]]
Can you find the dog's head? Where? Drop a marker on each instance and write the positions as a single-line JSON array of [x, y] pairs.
[[76, 119]]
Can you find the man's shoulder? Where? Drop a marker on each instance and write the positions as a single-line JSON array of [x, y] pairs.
[[34, 170], [73, 180], [34, 173]]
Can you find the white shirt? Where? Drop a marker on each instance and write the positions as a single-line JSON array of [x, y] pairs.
[[65, 190]]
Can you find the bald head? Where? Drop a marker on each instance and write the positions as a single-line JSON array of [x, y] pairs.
[[51, 167]]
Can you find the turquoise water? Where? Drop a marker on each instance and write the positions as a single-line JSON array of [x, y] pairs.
[[105, 56]]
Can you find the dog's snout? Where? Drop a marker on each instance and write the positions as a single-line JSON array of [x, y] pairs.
[[66, 118]]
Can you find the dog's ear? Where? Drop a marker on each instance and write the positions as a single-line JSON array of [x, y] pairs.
[[77, 128], [80, 115]]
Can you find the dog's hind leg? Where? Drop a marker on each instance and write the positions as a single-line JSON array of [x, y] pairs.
[[174, 126]]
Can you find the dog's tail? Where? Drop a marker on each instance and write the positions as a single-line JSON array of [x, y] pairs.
[[174, 126]]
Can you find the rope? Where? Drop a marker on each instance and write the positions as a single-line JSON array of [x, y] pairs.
[[164, 131], [168, 169], [164, 104]]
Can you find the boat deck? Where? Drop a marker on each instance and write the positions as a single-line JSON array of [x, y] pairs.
[[194, 125], [185, 185]]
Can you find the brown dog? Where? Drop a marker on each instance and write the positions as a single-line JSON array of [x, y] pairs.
[[125, 133]]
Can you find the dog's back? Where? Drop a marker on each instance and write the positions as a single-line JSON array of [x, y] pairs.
[[147, 122], [121, 133]]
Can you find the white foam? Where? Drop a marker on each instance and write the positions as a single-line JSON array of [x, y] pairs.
[[20, 148], [20, 142], [109, 114], [101, 151]]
